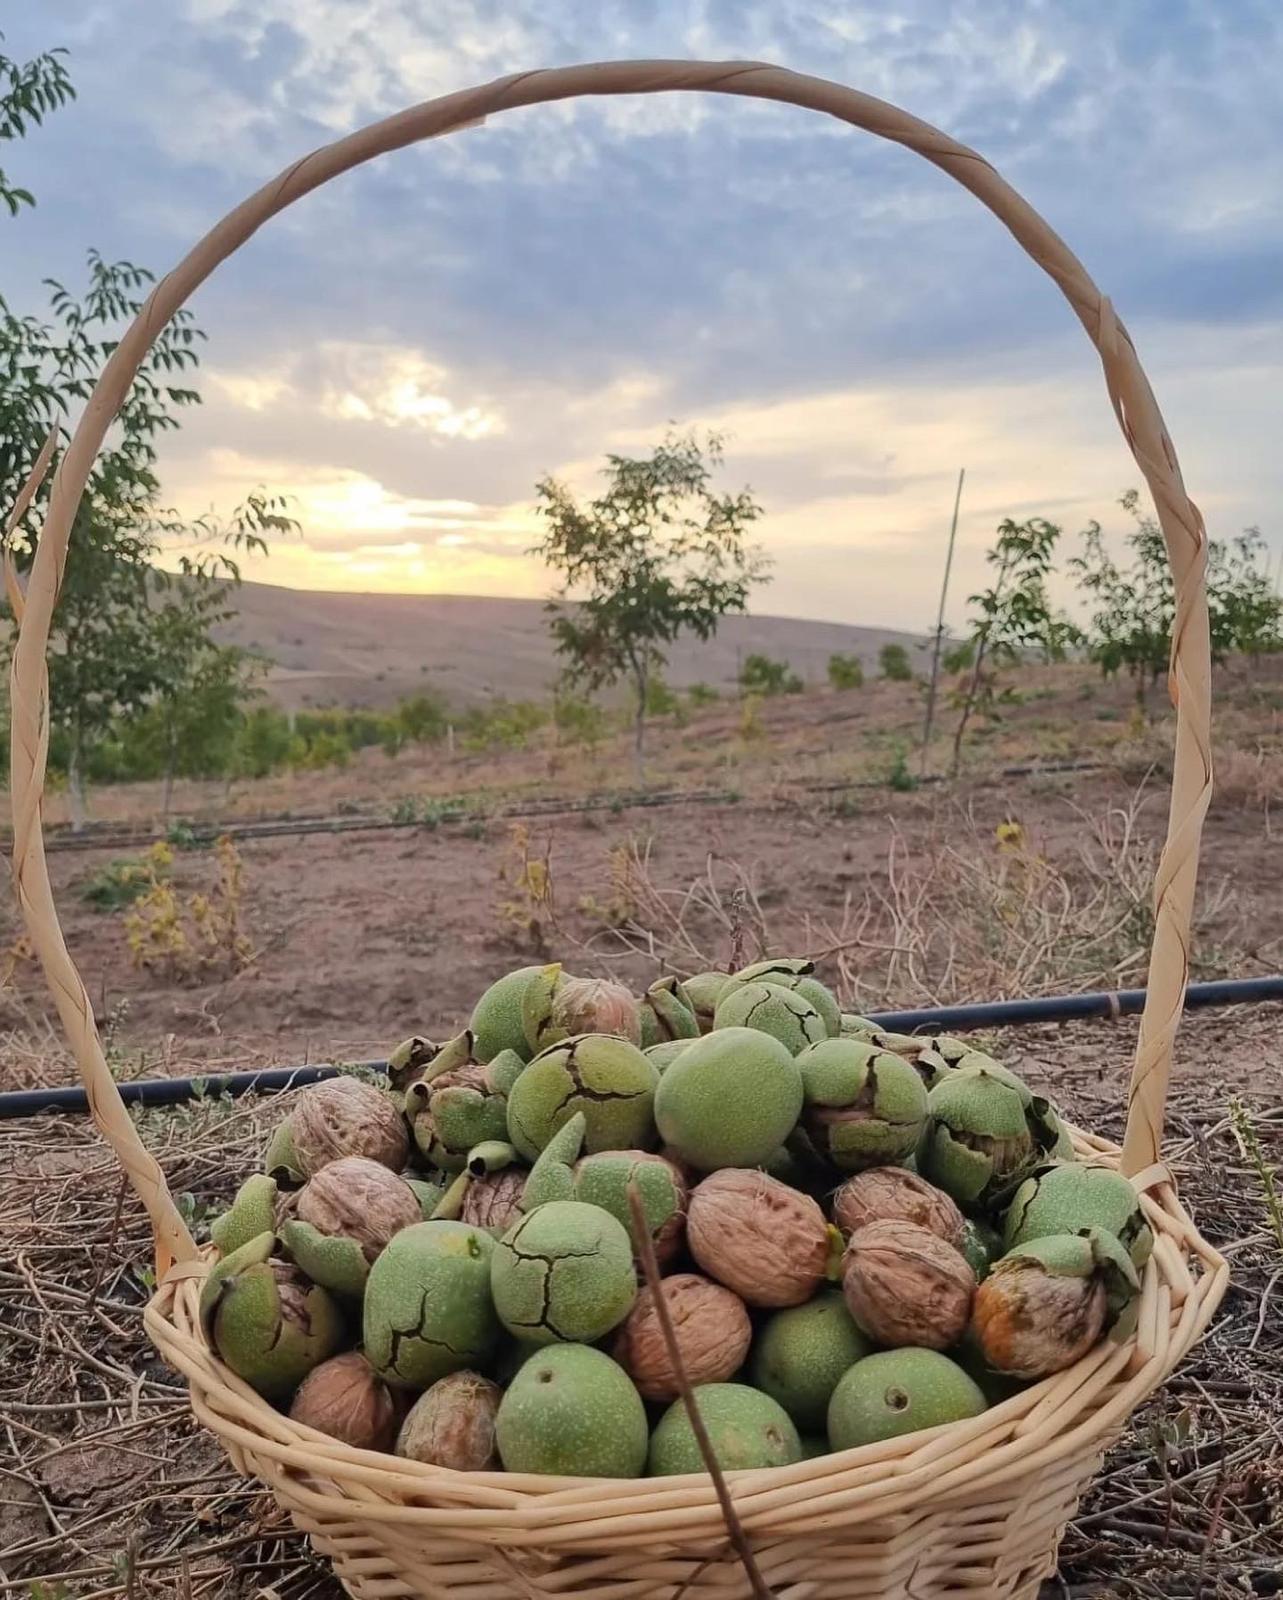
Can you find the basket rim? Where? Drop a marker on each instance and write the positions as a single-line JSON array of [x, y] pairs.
[[1089, 1402]]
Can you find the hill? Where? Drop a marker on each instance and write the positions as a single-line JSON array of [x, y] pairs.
[[370, 649]]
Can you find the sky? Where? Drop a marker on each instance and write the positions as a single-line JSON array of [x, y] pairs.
[[409, 350]]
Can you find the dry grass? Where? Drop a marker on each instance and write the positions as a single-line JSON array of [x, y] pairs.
[[967, 911]]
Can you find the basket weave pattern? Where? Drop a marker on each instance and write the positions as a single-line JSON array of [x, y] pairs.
[[974, 1509]]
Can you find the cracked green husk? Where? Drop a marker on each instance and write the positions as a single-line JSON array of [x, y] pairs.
[[563, 1273], [558, 1006], [603, 1180], [782, 1013], [606, 1078], [496, 1023], [863, 1107], [987, 1132], [553, 1177], [251, 1213], [427, 1304], [1072, 1198], [266, 1322], [666, 1014], [703, 992]]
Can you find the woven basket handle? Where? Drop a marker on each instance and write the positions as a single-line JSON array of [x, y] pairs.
[[1129, 393]]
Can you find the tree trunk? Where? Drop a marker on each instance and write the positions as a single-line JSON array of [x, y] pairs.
[[76, 787], [171, 760], [639, 732], [968, 705]]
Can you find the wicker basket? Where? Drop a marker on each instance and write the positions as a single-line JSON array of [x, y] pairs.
[[973, 1509]]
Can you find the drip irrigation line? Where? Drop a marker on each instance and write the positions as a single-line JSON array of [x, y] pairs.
[[940, 1019], [203, 838]]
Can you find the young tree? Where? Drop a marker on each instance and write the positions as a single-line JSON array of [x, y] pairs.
[[1014, 618], [760, 675], [1134, 606], [894, 664], [846, 671], [657, 554], [29, 91]]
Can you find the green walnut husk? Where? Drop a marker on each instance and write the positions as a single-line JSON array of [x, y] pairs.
[[797, 975], [663, 1055], [603, 1180], [607, 1079], [863, 1107], [703, 991], [745, 1429], [980, 1246], [563, 1273], [1045, 1303], [800, 1354], [460, 1103], [666, 1014], [1069, 1198], [427, 1304], [410, 1061], [252, 1213], [572, 1411], [557, 1006], [496, 1022], [854, 1026], [900, 1391], [765, 1007], [266, 1321], [987, 1132], [553, 1175], [730, 1099], [427, 1192]]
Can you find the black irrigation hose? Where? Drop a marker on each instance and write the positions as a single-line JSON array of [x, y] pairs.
[[988, 1014]]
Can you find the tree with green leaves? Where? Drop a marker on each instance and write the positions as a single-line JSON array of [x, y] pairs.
[[759, 674], [1013, 619], [1133, 606], [29, 92], [657, 554], [894, 664], [128, 638], [845, 671]]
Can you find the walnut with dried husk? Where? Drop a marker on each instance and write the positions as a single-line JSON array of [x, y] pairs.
[[459, 1103], [345, 1398], [987, 1131], [266, 1321], [493, 1200], [557, 1006], [711, 1326], [453, 1424], [666, 1013], [336, 1118], [863, 1107], [1047, 1302], [893, 1194], [604, 1180], [344, 1217], [905, 1286], [767, 1242]]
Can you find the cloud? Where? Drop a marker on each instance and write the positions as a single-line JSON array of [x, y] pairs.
[[448, 323]]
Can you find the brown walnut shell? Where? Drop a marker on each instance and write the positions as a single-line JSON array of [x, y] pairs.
[[452, 1425], [894, 1194], [345, 1398], [493, 1202], [355, 1198], [712, 1329], [345, 1117], [905, 1286], [767, 1242]]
